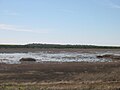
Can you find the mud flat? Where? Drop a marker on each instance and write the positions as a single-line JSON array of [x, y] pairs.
[[24, 50]]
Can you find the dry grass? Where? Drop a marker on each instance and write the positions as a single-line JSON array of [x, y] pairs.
[[63, 86], [107, 71], [60, 76]]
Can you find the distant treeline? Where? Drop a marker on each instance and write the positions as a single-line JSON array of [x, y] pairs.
[[58, 46]]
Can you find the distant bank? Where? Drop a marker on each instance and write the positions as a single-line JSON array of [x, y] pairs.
[[59, 46]]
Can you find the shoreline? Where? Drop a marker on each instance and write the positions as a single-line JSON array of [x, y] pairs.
[[26, 50]]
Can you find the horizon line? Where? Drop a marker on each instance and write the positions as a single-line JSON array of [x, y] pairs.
[[58, 44]]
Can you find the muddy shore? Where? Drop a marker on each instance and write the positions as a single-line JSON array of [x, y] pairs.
[[25, 50]]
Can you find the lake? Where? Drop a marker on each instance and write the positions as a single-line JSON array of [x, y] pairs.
[[62, 56]]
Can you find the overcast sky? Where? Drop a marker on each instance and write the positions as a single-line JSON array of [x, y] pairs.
[[95, 22]]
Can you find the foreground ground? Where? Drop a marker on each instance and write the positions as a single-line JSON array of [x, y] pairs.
[[60, 76]]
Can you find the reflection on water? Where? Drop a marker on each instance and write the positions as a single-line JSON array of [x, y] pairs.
[[47, 56]]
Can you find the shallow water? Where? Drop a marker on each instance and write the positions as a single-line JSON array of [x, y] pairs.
[[13, 58]]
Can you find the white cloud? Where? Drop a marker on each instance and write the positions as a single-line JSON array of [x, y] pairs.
[[19, 29], [11, 13]]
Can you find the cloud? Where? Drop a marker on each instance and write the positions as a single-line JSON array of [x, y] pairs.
[[19, 29], [10, 13]]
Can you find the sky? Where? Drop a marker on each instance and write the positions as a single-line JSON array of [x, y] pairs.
[[85, 22]]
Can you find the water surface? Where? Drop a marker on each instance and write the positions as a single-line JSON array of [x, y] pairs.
[[62, 56]]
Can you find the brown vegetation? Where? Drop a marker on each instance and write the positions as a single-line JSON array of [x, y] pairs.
[[57, 75], [27, 60], [109, 56], [61, 76]]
